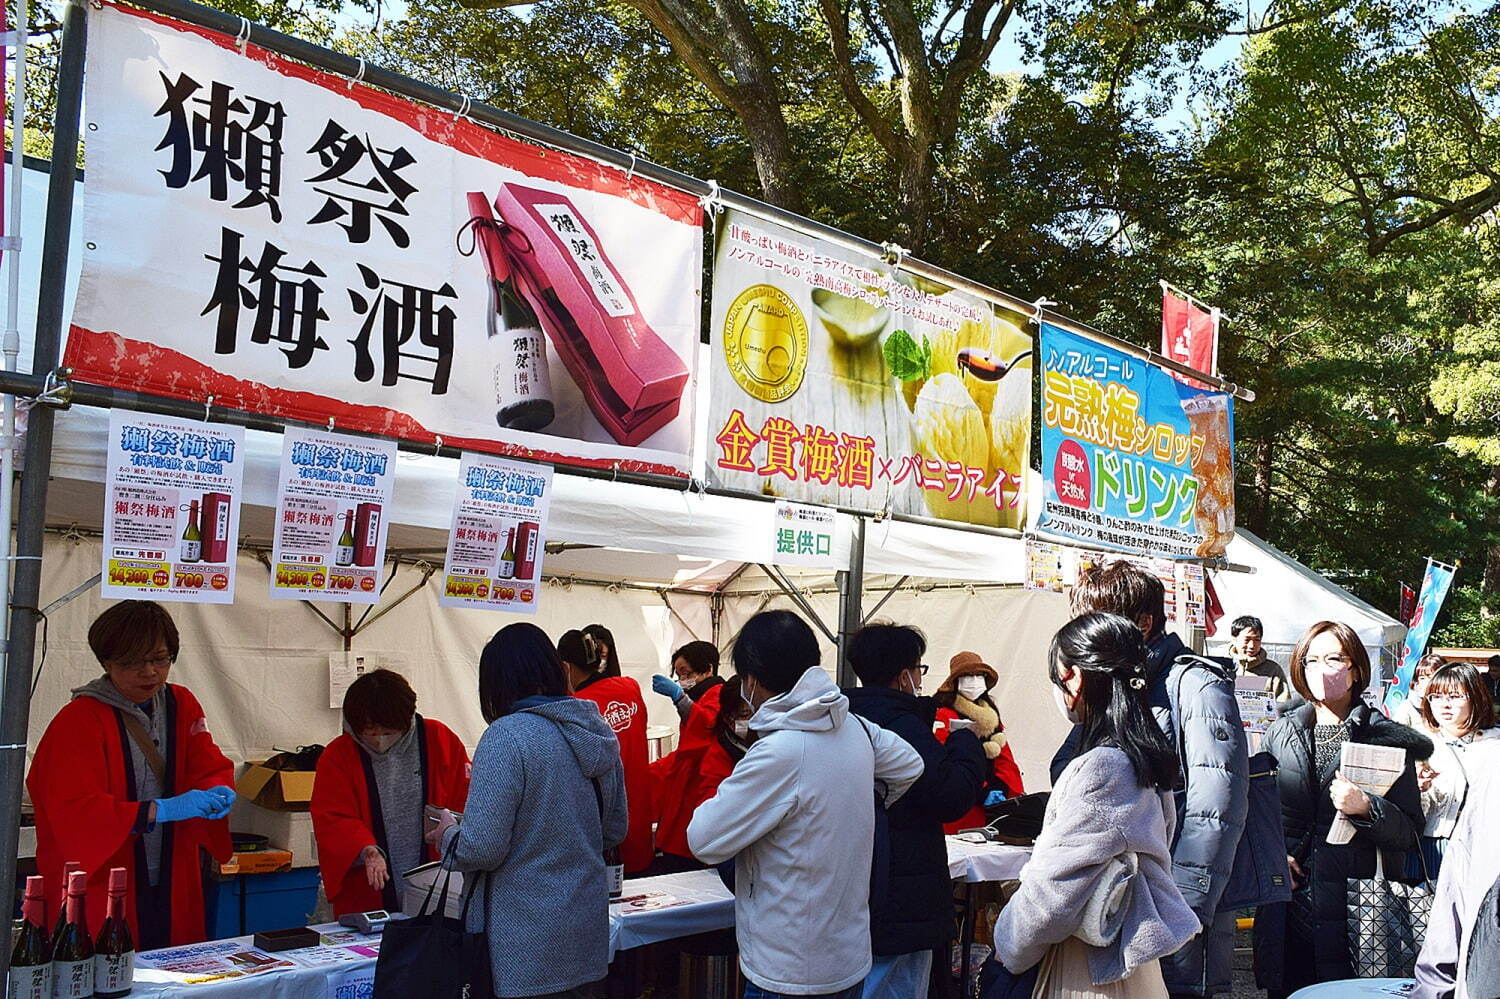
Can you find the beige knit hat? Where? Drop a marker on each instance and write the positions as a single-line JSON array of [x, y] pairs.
[[970, 664]]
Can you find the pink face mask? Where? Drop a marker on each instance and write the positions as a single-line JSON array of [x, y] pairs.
[[1326, 687]]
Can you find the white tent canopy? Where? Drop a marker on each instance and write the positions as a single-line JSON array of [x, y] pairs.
[[1288, 597]]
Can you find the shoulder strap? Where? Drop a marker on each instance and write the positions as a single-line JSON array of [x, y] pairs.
[[148, 748], [599, 799]]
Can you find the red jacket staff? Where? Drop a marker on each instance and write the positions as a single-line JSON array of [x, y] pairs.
[[372, 787], [620, 703], [127, 775], [966, 695]]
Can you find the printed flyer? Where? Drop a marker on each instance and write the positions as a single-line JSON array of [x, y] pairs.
[[804, 536], [497, 539], [171, 509], [331, 516]]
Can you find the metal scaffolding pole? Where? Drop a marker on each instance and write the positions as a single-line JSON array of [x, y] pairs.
[[16, 709], [851, 601]]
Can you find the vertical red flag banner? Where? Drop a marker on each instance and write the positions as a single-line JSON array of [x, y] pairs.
[[1408, 603], [1189, 335]]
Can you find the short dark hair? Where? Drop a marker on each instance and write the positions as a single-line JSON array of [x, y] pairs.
[[1494, 663], [605, 637], [132, 630], [881, 650], [518, 662], [1428, 665], [1246, 622], [380, 697], [1124, 589], [1462, 678], [702, 656], [578, 649], [1110, 653], [775, 648], [1349, 643]]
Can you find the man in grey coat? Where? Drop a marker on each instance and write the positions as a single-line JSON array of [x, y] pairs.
[[1193, 701]]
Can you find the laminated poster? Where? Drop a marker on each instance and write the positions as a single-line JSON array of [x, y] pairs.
[[1044, 566], [331, 509], [804, 536], [171, 509], [497, 540]]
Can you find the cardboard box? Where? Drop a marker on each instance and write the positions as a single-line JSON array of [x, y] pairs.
[[290, 831], [259, 862], [282, 790]]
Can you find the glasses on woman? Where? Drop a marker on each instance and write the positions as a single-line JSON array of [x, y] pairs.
[[150, 663], [1331, 664], [1447, 698]]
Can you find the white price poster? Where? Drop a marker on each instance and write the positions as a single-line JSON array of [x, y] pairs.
[[331, 509], [496, 542], [172, 509]]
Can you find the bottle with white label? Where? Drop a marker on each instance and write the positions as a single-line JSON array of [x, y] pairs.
[[508, 556], [31, 957], [192, 537], [114, 950], [344, 553], [523, 386], [73, 951]]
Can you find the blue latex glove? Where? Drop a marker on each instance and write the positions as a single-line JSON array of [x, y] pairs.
[[666, 685], [189, 805], [226, 798], [994, 798]]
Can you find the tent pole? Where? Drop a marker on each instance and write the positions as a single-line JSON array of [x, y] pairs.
[[25, 595], [851, 601]]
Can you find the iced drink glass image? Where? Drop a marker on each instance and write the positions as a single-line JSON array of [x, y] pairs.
[[1208, 418]]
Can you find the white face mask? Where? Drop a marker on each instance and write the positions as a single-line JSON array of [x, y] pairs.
[[741, 728], [381, 744], [971, 687], [1060, 698], [915, 689]]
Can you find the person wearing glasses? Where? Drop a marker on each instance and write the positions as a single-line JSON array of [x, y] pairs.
[[911, 907], [1459, 712], [127, 775], [1306, 941]]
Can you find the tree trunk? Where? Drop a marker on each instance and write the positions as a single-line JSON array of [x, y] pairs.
[[1260, 511], [1490, 583], [916, 170], [774, 161]]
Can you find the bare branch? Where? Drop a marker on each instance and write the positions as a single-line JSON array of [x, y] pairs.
[[843, 67]]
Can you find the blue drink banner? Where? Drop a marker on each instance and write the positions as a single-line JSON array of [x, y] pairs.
[[1435, 586], [1132, 459]]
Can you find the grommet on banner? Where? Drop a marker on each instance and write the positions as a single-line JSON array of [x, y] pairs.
[[242, 37], [359, 76]]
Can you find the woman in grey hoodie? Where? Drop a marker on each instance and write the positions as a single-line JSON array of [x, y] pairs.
[[1108, 826], [546, 799]]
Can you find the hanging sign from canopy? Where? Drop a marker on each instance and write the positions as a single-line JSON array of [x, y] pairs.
[[171, 509], [291, 243], [497, 540], [1132, 459], [841, 380]]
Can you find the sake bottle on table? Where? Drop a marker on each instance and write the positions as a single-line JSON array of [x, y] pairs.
[[73, 951], [114, 949], [62, 902], [31, 959]]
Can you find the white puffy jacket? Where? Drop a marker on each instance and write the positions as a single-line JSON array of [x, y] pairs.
[[1444, 799], [798, 816]]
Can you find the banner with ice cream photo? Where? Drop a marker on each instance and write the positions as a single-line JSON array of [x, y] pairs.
[[841, 380], [1132, 459]]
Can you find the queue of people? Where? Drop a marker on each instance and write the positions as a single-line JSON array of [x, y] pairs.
[[826, 809]]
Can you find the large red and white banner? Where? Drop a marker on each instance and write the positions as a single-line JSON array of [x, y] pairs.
[[293, 243], [1189, 335]]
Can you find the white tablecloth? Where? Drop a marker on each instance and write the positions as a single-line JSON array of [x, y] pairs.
[[1359, 988], [652, 910], [979, 862]]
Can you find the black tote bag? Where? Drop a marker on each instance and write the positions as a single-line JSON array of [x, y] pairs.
[[432, 954]]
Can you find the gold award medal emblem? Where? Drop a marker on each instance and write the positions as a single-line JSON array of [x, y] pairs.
[[765, 343]]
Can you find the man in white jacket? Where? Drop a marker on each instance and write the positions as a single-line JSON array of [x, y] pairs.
[[798, 817]]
